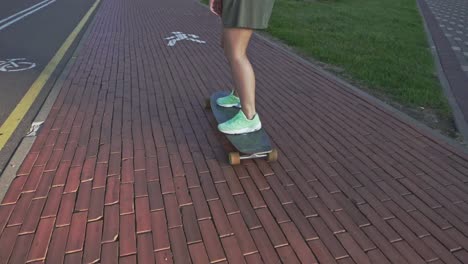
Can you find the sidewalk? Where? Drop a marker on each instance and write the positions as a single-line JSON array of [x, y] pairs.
[[129, 166], [446, 28]]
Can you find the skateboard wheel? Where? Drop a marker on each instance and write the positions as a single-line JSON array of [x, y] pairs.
[[207, 103], [234, 158], [273, 155]]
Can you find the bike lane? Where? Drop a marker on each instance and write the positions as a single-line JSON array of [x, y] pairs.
[[35, 39]]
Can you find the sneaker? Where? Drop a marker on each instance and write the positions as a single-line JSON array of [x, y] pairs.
[[239, 124], [229, 101]]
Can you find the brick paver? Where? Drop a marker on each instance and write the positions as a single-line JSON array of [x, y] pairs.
[[129, 167]]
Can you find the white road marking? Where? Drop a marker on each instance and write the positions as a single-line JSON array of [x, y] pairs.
[[18, 16], [14, 65], [181, 36], [25, 10]]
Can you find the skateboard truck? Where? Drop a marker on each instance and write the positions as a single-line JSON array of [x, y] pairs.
[[236, 157]]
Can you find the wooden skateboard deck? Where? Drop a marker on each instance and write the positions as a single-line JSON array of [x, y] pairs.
[[251, 145]]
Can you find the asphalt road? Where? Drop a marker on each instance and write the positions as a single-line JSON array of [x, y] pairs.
[[41, 27]]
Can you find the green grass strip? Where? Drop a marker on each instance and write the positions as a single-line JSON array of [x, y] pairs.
[[379, 44]]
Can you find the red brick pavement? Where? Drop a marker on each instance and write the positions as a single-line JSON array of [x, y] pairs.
[[129, 167]]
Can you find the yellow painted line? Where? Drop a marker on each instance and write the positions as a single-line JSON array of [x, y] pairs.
[[13, 120]]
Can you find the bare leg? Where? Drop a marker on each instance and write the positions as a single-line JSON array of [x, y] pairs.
[[235, 42]]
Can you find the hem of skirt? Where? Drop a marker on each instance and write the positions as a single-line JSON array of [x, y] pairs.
[[244, 26]]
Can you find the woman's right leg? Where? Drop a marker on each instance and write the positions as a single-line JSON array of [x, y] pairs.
[[235, 42]]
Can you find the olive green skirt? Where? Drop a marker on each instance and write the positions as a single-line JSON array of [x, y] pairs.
[[254, 14]]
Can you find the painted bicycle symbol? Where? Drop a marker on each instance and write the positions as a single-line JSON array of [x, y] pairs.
[[14, 65], [181, 36]]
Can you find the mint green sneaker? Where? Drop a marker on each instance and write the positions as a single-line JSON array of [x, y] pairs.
[[229, 101], [240, 124]]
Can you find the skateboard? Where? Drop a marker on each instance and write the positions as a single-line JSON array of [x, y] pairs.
[[251, 145]]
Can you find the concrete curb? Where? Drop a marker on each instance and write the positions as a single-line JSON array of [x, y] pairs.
[[376, 101], [459, 117]]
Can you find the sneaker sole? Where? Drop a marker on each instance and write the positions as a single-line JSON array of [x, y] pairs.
[[230, 105], [243, 131]]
